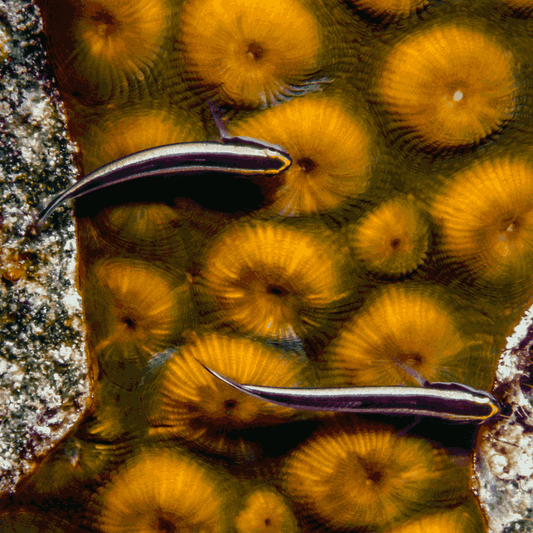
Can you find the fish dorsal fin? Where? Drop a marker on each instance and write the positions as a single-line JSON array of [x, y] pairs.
[[417, 376]]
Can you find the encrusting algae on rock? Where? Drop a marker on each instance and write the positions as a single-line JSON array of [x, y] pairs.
[[373, 259]]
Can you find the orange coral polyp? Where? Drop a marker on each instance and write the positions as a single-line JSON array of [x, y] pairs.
[[273, 281], [162, 490], [265, 511], [150, 229], [73, 468], [112, 47], [368, 478], [135, 310], [392, 239], [407, 325], [438, 84], [189, 402], [486, 214], [465, 518], [253, 51], [330, 150]]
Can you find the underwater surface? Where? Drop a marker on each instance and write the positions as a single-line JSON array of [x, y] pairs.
[[399, 243]]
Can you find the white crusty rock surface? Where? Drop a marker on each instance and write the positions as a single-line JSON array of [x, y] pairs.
[[43, 368], [504, 462]]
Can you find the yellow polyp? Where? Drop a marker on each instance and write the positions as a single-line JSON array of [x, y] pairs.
[[405, 325], [254, 52], [162, 490], [486, 217], [132, 129], [14, 266], [189, 402], [265, 511], [330, 149], [274, 281], [436, 84], [135, 310], [393, 239], [108, 49], [369, 477]]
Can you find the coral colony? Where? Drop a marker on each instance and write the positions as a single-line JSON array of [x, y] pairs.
[[398, 243]]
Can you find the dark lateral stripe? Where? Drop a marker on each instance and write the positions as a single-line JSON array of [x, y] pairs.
[[449, 401], [173, 160]]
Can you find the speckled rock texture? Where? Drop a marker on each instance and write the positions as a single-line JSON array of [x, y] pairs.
[[504, 465], [43, 370]]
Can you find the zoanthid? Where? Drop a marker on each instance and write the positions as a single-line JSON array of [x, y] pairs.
[[390, 9], [73, 469], [253, 52], [188, 402], [265, 511], [369, 478], [465, 518], [274, 281], [133, 309], [520, 8], [114, 415], [411, 325], [162, 490], [130, 129], [107, 50], [485, 214], [149, 229], [330, 147], [441, 91], [392, 239]]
